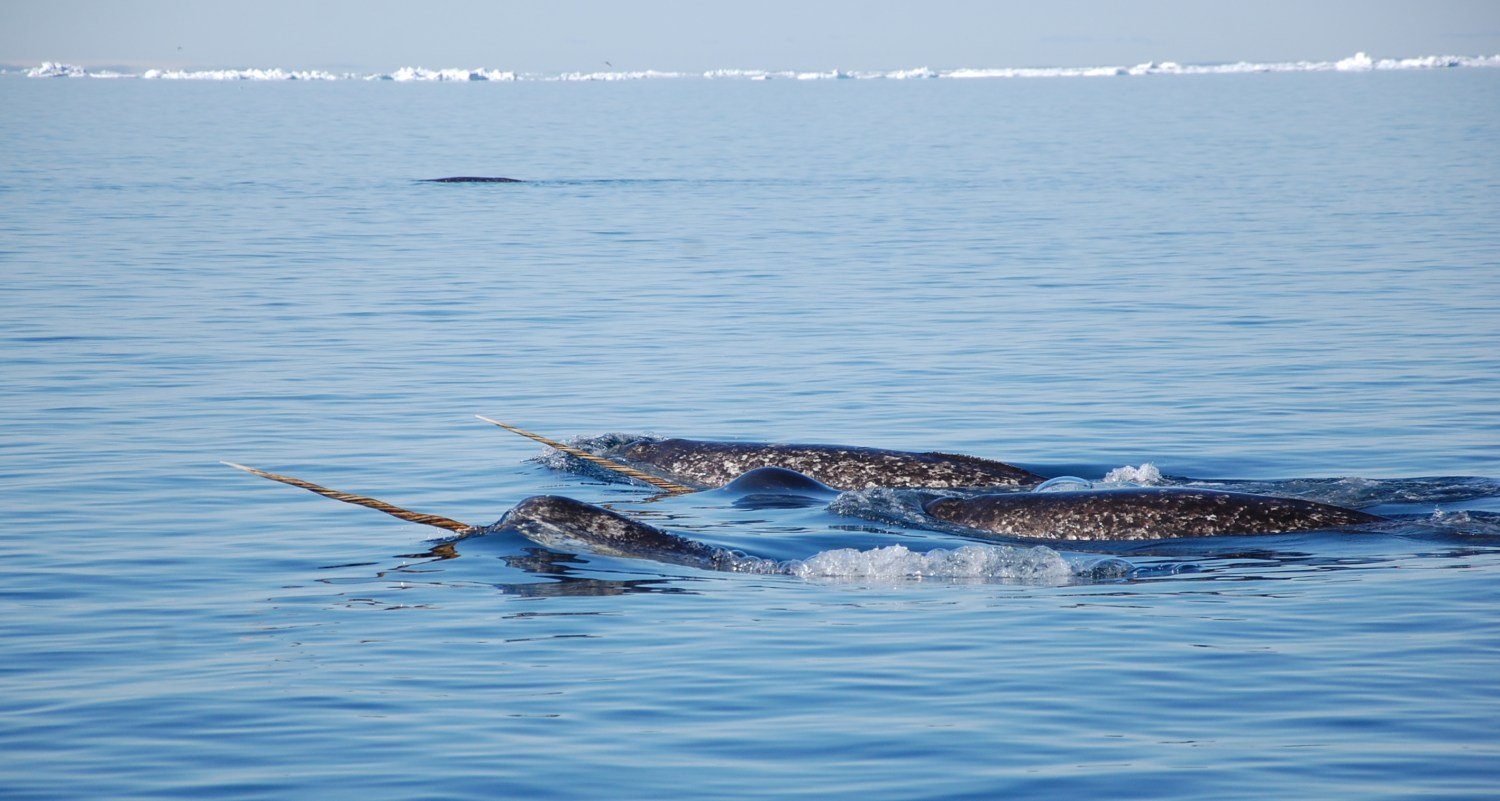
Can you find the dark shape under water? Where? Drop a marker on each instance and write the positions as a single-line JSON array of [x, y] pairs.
[[707, 464], [1139, 514], [473, 179]]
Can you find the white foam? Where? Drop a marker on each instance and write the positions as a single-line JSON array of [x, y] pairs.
[[1039, 564], [970, 561], [1146, 475], [1357, 63]]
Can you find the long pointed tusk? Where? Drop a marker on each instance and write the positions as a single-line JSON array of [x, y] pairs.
[[607, 464], [360, 500]]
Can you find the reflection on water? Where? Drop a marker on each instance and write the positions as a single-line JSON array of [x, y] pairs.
[[562, 570]]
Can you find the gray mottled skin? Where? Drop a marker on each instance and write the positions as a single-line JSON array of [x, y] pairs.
[[566, 524], [1134, 514], [713, 464], [1140, 514], [473, 179]]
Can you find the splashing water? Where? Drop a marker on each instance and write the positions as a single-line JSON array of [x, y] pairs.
[[1147, 475], [1037, 564]]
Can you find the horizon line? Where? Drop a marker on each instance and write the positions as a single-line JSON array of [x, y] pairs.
[[1359, 62]]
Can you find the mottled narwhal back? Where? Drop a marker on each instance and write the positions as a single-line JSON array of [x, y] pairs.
[[1140, 514], [567, 524], [714, 464]]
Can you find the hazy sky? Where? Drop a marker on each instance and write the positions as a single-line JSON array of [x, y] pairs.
[[561, 35]]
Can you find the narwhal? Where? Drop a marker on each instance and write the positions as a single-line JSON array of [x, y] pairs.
[[561, 523], [686, 465], [1100, 515], [1121, 514], [1138, 513]]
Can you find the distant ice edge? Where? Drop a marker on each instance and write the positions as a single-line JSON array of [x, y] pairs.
[[1359, 62]]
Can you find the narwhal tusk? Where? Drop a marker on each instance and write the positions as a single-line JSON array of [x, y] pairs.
[[608, 464], [359, 500]]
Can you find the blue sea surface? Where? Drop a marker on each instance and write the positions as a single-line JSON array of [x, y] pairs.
[[1260, 278]]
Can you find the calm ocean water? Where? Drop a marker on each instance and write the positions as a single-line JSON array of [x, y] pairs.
[[1259, 277]]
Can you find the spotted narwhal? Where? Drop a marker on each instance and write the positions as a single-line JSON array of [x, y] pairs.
[[561, 523], [1138, 513], [1155, 513], [686, 465]]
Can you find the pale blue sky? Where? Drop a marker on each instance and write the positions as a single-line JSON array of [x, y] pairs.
[[758, 34]]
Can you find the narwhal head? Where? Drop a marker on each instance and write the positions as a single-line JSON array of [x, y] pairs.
[[570, 525]]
